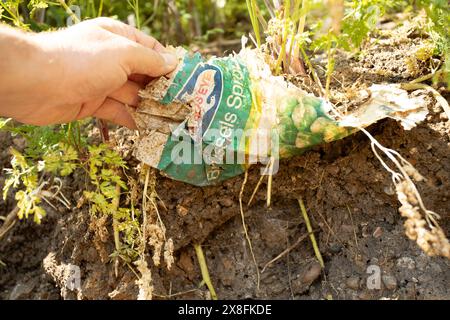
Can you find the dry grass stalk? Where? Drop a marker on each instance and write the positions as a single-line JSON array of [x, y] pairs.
[[421, 224], [204, 270], [244, 226], [431, 240]]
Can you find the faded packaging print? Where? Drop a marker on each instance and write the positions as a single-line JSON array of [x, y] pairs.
[[209, 120]]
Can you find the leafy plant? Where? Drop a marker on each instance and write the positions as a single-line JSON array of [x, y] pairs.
[[305, 26], [28, 198], [44, 153], [39, 140], [104, 165], [362, 18], [438, 12], [101, 163], [172, 21], [62, 161]]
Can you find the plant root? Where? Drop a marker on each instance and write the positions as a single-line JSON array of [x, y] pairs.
[[244, 226], [204, 270], [421, 224], [311, 233], [285, 252], [9, 222]]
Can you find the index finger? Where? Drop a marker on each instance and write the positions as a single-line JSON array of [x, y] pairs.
[[128, 32]]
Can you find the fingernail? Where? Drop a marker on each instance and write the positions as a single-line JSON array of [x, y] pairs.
[[170, 59]]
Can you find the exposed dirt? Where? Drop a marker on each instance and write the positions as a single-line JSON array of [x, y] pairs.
[[348, 195]]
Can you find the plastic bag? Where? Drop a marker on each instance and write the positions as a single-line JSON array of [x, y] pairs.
[[209, 120]]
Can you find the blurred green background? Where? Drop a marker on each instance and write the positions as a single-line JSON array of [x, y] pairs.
[[216, 26], [170, 21]]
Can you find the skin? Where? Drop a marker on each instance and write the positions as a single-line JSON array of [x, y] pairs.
[[94, 68]]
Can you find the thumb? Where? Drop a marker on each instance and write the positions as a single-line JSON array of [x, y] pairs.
[[138, 59], [115, 112]]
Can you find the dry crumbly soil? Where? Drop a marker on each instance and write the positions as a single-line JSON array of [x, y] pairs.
[[348, 195]]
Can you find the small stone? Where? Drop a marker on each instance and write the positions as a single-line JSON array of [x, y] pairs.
[[228, 276], [334, 170], [364, 295], [353, 283], [346, 228], [378, 232], [406, 263], [422, 260], [312, 274], [436, 268], [389, 190], [20, 143], [21, 290], [390, 218], [186, 264], [227, 202], [335, 248], [182, 211], [390, 282], [388, 25], [424, 278], [365, 232], [303, 281]]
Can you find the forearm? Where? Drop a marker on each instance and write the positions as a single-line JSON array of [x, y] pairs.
[[85, 70], [24, 71]]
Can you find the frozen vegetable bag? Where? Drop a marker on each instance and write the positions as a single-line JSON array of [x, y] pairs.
[[209, 120]]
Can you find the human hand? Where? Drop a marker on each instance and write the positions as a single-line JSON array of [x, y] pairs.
[[94, 68]]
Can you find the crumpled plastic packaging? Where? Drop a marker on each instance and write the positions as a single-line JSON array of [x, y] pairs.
[[209, 120]]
